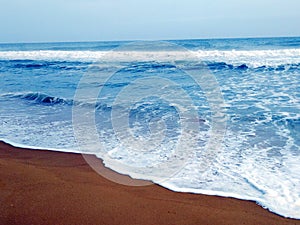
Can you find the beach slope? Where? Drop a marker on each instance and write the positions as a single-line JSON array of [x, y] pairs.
[[47, 187]]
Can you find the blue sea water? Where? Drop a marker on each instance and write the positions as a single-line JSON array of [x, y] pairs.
[[145, 101]]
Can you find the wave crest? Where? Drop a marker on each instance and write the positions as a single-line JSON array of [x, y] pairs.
[[40, 98], [251, 58]]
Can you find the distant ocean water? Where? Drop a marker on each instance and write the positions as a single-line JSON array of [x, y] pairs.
[[259, 79]]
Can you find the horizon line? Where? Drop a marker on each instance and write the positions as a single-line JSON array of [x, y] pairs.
[[154, 39]]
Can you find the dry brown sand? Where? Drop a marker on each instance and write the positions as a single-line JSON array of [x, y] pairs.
[[47, 187]]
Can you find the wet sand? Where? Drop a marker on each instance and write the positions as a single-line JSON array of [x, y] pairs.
[[47, 187]]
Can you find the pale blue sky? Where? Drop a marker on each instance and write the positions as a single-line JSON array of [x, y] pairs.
[[91, 20]]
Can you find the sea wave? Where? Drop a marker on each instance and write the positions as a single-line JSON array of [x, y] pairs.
[[38, 97], [45, 99], [135, 68], [251, 58], [244, 66], [39, 64]]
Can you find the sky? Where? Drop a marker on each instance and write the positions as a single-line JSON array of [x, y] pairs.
[[97, 20]]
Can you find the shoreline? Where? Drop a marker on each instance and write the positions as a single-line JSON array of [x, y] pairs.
[[52, 187]]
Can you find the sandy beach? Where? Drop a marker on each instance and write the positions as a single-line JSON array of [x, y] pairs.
[[47, 187]]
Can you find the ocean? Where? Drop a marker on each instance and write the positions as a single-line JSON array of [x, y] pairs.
[[211, 116]]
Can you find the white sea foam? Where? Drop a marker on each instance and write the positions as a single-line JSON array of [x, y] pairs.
[[52, 55], [252, 58]]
